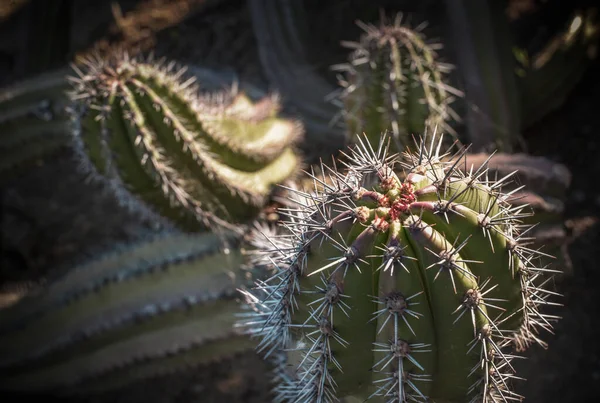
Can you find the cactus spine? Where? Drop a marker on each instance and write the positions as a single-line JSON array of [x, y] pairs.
[[33, 122], [214, 157], [143, 310], [399, 291], [394, 82]]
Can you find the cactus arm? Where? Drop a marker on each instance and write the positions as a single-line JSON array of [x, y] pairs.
[[394, 82]]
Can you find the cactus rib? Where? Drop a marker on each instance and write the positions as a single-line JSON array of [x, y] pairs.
[[398, 290], [140, 311]]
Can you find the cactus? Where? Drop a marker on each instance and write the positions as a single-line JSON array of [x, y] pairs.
[[214, 158], [398, 290], [33, 122], [158, 306], [394, 82], [542, 185]]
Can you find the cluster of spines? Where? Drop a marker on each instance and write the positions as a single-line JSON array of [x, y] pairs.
[[307, 368], [394, 82], [142, 310], [144, 124]]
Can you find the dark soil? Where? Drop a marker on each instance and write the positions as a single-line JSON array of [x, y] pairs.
[[51, 217]]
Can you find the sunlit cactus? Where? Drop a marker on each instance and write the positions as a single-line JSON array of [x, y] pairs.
[[393, 290], [157, 306], [394, 82], [213, 158]]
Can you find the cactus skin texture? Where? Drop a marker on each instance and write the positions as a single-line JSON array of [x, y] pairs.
[[144, 310], [396, 291], [212, 157], [33, 123], [394, 82]]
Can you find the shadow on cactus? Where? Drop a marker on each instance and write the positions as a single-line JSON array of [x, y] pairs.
[[399, 290], [213, 157], [394, 82]]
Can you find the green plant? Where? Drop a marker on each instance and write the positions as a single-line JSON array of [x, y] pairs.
[[394, 82], [399, 290], [160, 305], [197, 159], [33, 121]]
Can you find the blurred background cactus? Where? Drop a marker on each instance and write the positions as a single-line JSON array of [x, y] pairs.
[[137, 311], [394, 83], [213, 158]]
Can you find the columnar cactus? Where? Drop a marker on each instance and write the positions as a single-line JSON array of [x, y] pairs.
[[398, 290], [394, 82], [33, 121], [161, 305], [211, 157]]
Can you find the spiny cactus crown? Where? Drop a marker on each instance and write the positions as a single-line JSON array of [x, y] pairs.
[[394, 82], [398, 290], [213, 157]]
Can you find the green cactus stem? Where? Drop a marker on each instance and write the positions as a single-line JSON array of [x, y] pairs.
[[394, 290], [214, 158], [394, 82], [33, 122], [142, 310]]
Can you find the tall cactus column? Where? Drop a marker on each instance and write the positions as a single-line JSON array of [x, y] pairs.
[[394, 82], [212, 158], [399, 291]]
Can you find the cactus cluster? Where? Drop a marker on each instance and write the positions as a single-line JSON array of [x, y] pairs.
[[163, 304], [144, 124], [394, 82], [397, 290]]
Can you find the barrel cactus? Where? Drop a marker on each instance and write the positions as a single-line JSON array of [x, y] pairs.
[[196, 158], [393, 290], [394, 82]]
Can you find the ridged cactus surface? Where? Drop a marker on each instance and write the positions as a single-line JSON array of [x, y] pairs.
[[394, 82], [214, 157], [398, 290], [161, 305]]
